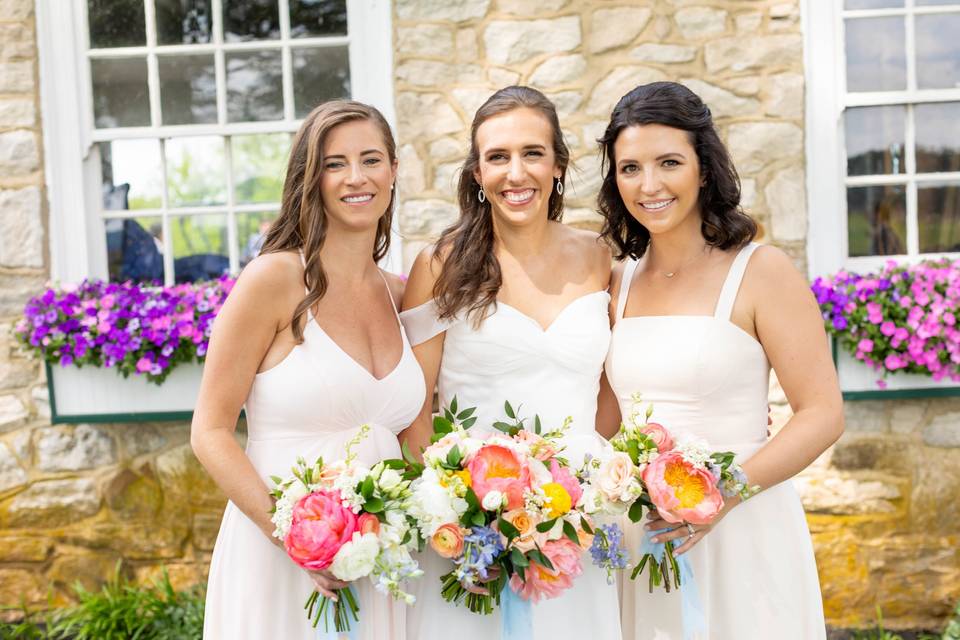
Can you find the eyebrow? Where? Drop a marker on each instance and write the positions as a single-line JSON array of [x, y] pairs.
[[362, 153], [526, 146], [662, 156]]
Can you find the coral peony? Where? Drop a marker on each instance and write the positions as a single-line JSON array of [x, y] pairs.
[[562, 476], [320, 526], [659, 434], [543, 583], [681, 491], [448, 540], [497, 468]]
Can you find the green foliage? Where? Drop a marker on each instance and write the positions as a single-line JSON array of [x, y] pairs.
[[951, 632], [120, 610]]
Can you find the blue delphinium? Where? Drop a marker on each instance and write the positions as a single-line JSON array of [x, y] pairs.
[[608, 551], [481, 548]]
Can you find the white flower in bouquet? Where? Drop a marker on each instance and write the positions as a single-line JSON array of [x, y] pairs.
[[346, 483], [389, 479], [394, 567], [357, 557], [493, 500], [431, 505], [616, 478]]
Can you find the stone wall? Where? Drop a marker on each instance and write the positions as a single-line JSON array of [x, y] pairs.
[[745, 58], [75, 501]]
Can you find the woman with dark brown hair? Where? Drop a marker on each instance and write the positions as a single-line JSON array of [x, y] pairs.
[[700, 314], [309, 342], [511, 305]]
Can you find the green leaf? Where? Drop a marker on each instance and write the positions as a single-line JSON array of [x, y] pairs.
[[505, 427], [466, 413], [478, 519], [509, 410], [373, 505], [543, 527], [507, 529], [519, 560], [367, 487], [472, 501], [571, 533], [633, 450], [276, 479], [442, 425], [454, 457], [536, 425], [469, 422], [453, 405], [636, 511]]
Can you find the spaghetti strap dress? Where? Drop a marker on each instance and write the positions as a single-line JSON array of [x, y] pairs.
[[310, 404], [553, 372], [755, 571]]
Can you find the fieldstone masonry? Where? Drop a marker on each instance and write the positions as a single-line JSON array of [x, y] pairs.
[[76, 500]]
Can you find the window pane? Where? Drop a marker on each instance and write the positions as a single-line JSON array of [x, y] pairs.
[[251, 230], [876, 221], [875, 54], [254, 86], [938, 137], [188, 89], [259, 162], [195, 171], [120, 94], [116, 23], [318, 18], [318, 75], [938, 51], [183, 21], [927, 3], [132, 175], [874, 139], [199, 247], [250, 20], [872, 4], [135, 249], [938, 216]]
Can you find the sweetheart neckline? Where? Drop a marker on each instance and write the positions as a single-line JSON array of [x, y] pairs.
[[559, 313]]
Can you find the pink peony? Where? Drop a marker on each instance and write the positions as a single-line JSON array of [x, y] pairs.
[[682, 491], [497, 468], [321, 525], [543, 583], [563, 477], [660, 436]]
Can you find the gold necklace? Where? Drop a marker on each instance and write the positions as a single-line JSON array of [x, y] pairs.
[[688, 262]]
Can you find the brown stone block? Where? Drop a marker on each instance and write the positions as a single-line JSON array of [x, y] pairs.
[[134, 496], [16, 41], [86, 567], [935, 499], [20, 587], [16, 289], [182, 575], [854, 453], [206, 526], [24, 548], [161, 538], [51, 503], [186, 482], [844, 572]]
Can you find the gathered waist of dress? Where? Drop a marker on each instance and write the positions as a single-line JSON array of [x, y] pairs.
[[743, 450], [271, 433]]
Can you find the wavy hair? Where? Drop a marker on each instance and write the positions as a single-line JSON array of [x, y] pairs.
[[302, 223], [470, 275], [724, 224]]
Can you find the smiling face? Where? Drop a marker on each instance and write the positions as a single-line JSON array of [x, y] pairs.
[[517, 166], [658, 176], [357, 175]]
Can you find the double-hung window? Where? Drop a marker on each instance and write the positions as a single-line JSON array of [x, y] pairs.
[[168, 123], [883, 130]]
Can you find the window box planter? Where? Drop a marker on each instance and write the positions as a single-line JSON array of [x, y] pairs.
[[859, 382], [92, 394]]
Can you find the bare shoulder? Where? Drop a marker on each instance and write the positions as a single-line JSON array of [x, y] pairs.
[[268, 289], [396, 284], [279, 272], [587, 245], [423, 275], [770, 266]]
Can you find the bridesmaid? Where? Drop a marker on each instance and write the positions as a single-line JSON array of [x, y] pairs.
[[700, 314], [512, 305], [309, 342]]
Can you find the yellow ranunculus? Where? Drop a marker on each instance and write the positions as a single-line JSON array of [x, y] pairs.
[[463, 475], [558, 500]]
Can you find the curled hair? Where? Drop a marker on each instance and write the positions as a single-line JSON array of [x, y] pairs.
[[724, 224], [470, 275], [302, 223]]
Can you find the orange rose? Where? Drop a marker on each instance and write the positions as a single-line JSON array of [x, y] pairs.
[[368, 523], [521, 520], [447, 541]]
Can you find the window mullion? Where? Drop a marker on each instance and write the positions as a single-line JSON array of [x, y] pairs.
[[153, 71], [165, 213], [286, 59], [220, 67], [231, 214]]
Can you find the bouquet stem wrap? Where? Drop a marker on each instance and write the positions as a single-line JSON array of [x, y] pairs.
[[694, 620], [516, 616]]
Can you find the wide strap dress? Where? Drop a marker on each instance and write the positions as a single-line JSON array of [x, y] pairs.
[[310, 405], [755, 571], [553, 372]]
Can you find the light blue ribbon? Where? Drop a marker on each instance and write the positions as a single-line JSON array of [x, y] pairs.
[[327, 629], [691, 609], [516, 616]]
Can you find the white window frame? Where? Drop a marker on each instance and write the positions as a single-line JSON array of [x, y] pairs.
[[826, 100], [76, 229]]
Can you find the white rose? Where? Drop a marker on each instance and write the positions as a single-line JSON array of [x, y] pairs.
[[389, 479], [541, 474], [616, 476], [356, 558], [296, 491], [493, 500]]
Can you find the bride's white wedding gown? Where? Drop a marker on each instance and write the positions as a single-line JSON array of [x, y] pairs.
[[553, 372]]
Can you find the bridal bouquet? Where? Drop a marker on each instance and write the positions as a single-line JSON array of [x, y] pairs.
[[501, 507], [650, 468], [350, 520]]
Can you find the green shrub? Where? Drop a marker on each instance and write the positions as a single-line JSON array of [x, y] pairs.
[[120, 610]]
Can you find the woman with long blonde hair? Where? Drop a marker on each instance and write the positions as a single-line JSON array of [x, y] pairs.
[[309, 343]]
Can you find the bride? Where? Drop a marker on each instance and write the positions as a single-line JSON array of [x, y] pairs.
[[511, 305]]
